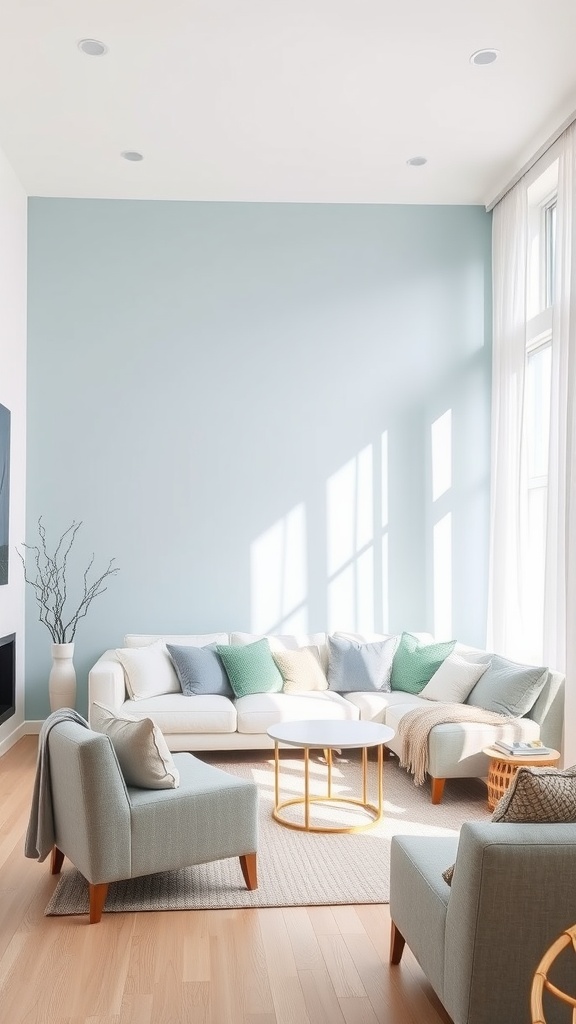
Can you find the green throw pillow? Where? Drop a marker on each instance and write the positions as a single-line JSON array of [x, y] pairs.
[[415, 663], [251, 668]]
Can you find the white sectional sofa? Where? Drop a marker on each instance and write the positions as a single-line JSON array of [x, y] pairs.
[[214, 722]]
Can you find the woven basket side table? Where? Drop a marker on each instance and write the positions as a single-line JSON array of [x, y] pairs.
[[503, 769]]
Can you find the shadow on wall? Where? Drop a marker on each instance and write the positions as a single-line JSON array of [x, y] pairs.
[[403, 531]]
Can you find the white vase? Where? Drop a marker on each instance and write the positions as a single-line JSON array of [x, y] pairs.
[[62, 678]]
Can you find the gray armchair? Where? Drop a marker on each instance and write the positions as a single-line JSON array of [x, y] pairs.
[[480, 941], [110, 831]]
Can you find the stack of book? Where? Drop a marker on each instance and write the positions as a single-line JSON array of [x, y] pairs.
[[521, 749]]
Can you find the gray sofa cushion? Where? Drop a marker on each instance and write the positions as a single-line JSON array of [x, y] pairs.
[[508, 687], [200, 670], [355, 667]]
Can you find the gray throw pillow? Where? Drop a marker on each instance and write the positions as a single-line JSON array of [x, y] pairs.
[[507, 687], [200, 670], [356, 668]]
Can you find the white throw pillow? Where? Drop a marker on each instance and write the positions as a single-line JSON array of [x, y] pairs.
[[149, 671], [141, 749], [454, 680], [301, 670]]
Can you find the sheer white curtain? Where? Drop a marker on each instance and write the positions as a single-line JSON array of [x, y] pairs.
[[560, 583], [508, 483]]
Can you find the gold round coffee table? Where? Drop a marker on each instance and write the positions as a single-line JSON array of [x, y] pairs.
[[329, 736], [503, 768]]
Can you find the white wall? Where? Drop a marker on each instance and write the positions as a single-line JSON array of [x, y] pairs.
[[13, 395]]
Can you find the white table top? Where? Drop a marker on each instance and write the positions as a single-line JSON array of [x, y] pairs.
[[329, 734]]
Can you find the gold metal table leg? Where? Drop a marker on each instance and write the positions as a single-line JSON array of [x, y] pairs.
[[276, 775], [306, 788], [374, 810]]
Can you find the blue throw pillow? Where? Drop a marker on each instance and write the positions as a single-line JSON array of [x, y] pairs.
[[356, 668], [200, 670]]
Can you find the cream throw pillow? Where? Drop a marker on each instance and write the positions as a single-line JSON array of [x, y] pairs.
[[149, 671], [141, 749], [454, 680], [300, 670]]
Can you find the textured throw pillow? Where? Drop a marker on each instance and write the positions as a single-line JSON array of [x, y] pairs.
[[200, 670], [149, 671], [251, 669], [448, 875], [454, 680], [358, 668], [415, 663], [301, 670], [507, 687], [141, 749], [542, 795]]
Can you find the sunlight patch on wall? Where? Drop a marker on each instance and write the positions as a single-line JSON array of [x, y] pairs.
[[385, 613], [350, 538], [441, 455], [443, 578], [279, 578], [441, 436]]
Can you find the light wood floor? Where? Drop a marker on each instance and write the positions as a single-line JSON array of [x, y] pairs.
[[323, 965]]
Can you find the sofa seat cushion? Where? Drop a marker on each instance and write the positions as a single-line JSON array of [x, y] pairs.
[[257, 711], [373, 706], [177, 713]]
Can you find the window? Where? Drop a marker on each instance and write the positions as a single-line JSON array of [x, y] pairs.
[[536, 433]]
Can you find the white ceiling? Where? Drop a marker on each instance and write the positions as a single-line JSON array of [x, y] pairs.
[[281, 100]]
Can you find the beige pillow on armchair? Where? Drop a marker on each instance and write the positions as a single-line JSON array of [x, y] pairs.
[[142, 751]]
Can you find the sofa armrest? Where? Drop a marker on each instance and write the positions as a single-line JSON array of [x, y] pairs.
[[507, 904], [106, 683]]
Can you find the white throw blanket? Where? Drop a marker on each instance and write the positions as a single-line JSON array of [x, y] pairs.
[[40, 833], [414, 728]]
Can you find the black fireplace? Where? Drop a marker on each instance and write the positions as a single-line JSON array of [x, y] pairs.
[[7, 677]]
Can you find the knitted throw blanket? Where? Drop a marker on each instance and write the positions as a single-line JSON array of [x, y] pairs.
[[40, 832], [414, 728]]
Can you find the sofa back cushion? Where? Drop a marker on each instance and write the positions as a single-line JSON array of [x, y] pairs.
[[184, 639], [287, 642], [508, 687]]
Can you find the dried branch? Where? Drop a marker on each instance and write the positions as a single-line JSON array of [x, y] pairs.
[[50, 583]]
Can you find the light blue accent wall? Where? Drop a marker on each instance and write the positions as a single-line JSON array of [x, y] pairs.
[[237, 401]]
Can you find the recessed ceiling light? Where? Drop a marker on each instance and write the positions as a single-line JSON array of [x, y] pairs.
[[482, 57], [417, 161], [92, 47], [131, 154]]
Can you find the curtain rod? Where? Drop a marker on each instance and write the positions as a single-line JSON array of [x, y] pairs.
[[532, 161]]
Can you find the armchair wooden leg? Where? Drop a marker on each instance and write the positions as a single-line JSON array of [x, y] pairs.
[[249, 870], [56, 861], [437, 790], [397, 943], [98, 894]]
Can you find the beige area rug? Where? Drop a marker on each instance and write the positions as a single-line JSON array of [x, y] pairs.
[[297, 868]]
